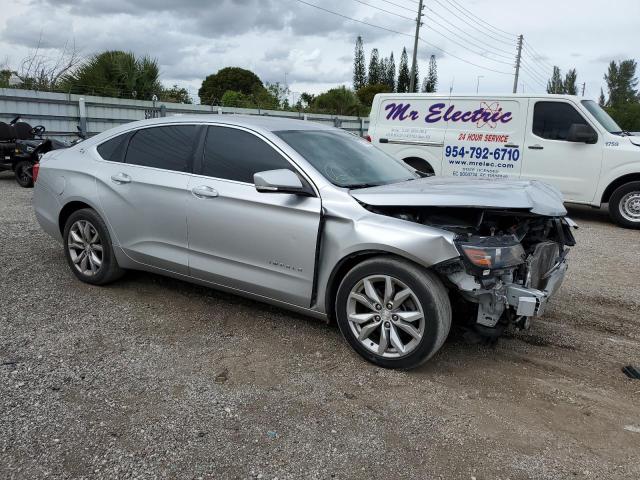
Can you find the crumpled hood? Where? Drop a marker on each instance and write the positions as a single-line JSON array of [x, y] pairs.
[[537, 197]]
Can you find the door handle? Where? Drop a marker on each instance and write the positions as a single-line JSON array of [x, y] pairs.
[[536, 147], [511, 145], [120, 178], [203, 191]]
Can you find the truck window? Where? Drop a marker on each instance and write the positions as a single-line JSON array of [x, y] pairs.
[[552, 120]]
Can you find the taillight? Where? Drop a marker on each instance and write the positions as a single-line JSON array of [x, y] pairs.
[[368, 138], [34, 172]]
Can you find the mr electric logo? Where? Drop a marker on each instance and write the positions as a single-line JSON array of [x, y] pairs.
[[490, 114]]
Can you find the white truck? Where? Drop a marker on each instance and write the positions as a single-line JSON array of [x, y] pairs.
[[562, 140]]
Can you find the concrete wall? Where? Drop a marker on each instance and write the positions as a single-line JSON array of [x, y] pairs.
[[61, 113]]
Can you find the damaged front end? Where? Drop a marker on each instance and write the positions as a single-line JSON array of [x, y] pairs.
[[511, 261]]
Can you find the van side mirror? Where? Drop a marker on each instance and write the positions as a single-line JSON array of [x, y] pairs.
[[581, 133], [279, 181]]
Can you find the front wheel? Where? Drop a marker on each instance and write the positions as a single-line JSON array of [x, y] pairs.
[[392, 312], [624, 205], [24, 173]]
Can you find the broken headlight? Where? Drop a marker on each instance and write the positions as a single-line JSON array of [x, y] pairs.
[[493, 252]]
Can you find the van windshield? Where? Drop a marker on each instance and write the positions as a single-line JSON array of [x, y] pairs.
[[346, 160], [602, 117]]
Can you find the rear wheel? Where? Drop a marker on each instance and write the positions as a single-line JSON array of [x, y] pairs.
[[624, 205], [88, 248], [23, 173], [393, 313]]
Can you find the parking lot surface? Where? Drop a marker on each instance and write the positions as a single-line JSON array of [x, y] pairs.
[[155, 378]]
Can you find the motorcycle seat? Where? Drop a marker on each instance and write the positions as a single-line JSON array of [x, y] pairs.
[[7, 132], [23, 131]]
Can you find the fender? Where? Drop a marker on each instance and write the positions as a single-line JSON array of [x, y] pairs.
[[631, 167]]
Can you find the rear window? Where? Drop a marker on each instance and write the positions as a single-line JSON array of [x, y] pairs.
[[114, 148]]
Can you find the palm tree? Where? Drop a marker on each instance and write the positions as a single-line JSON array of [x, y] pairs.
[[116, 74]]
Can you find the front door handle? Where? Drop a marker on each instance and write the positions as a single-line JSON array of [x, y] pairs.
[[120, 178], [536, 147], [511, 145], [204, 191]]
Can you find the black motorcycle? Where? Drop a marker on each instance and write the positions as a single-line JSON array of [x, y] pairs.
[[21, 146]]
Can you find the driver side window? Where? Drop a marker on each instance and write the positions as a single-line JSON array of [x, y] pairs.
[[552, 120]]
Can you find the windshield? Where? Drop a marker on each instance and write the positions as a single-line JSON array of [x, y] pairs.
[[346, 160], [603, 117]]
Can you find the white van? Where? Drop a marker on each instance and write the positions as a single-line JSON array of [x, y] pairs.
[[570, 143]]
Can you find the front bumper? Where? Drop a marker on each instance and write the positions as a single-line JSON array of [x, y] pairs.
[[520, 301]]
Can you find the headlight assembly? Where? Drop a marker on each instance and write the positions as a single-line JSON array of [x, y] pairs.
[[493, 252]]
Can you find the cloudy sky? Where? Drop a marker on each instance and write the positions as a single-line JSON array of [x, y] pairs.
[[313, 48]]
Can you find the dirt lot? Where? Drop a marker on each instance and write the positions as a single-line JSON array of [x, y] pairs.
[[156, 378]]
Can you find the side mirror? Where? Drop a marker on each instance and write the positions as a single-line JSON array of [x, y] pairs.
[[279, 181], [581, 133]]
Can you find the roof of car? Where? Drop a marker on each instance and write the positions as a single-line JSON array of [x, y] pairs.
[[256, 121]]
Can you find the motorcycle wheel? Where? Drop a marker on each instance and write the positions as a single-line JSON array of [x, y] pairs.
[[23, 170]]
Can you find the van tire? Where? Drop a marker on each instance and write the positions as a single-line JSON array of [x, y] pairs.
[[419, 164], [624, 205], [428, 294]]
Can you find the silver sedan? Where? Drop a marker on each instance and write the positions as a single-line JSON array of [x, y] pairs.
[[312, 219]]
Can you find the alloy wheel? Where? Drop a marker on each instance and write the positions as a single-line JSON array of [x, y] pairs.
[[385, 316], [85, 247]]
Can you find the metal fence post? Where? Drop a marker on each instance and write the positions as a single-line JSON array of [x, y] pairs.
[[82, 114], [163, 110]]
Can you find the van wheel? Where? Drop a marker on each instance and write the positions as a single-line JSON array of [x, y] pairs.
[[87, 246], [624, 205], [392, 312], [23, 172], [420, 164]]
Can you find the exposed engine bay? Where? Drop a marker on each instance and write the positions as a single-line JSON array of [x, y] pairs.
[[511, 261]]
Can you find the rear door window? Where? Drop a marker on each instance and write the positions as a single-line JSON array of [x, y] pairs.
[[552, 120], [234, 154], [167, 147]]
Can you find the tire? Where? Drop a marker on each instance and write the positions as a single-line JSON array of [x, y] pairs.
[[78, 240], [23, 173], [624, 205], [428, 297]]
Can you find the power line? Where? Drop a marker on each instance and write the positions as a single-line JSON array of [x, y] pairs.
[[474, 24], [473, 17], [403, 34], [536, 56], [398, 5], [385, 11], [510, 54], [466, 47]]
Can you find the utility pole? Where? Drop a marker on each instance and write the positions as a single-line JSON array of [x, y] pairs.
[[478, 83], [518, 60], [584, 86], [412, 80]]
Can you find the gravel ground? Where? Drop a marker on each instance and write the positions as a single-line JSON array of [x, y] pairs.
[[156, 378]]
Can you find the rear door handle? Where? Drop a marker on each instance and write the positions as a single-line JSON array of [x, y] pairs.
[[511, 145], [204, 191], [120, 178], [536, 147]]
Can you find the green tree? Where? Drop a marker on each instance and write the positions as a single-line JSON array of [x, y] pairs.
[[338, 101], [622, 82], [403, 73], [601, 100], [229, 78], [115, 74], [416, 79], [5, 75], [232, 98], [374, 68], [430, 83], [175, 95], [555, 83], [571, 82], [627, 115], [390, 73], [366, 93], [359, 67]]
